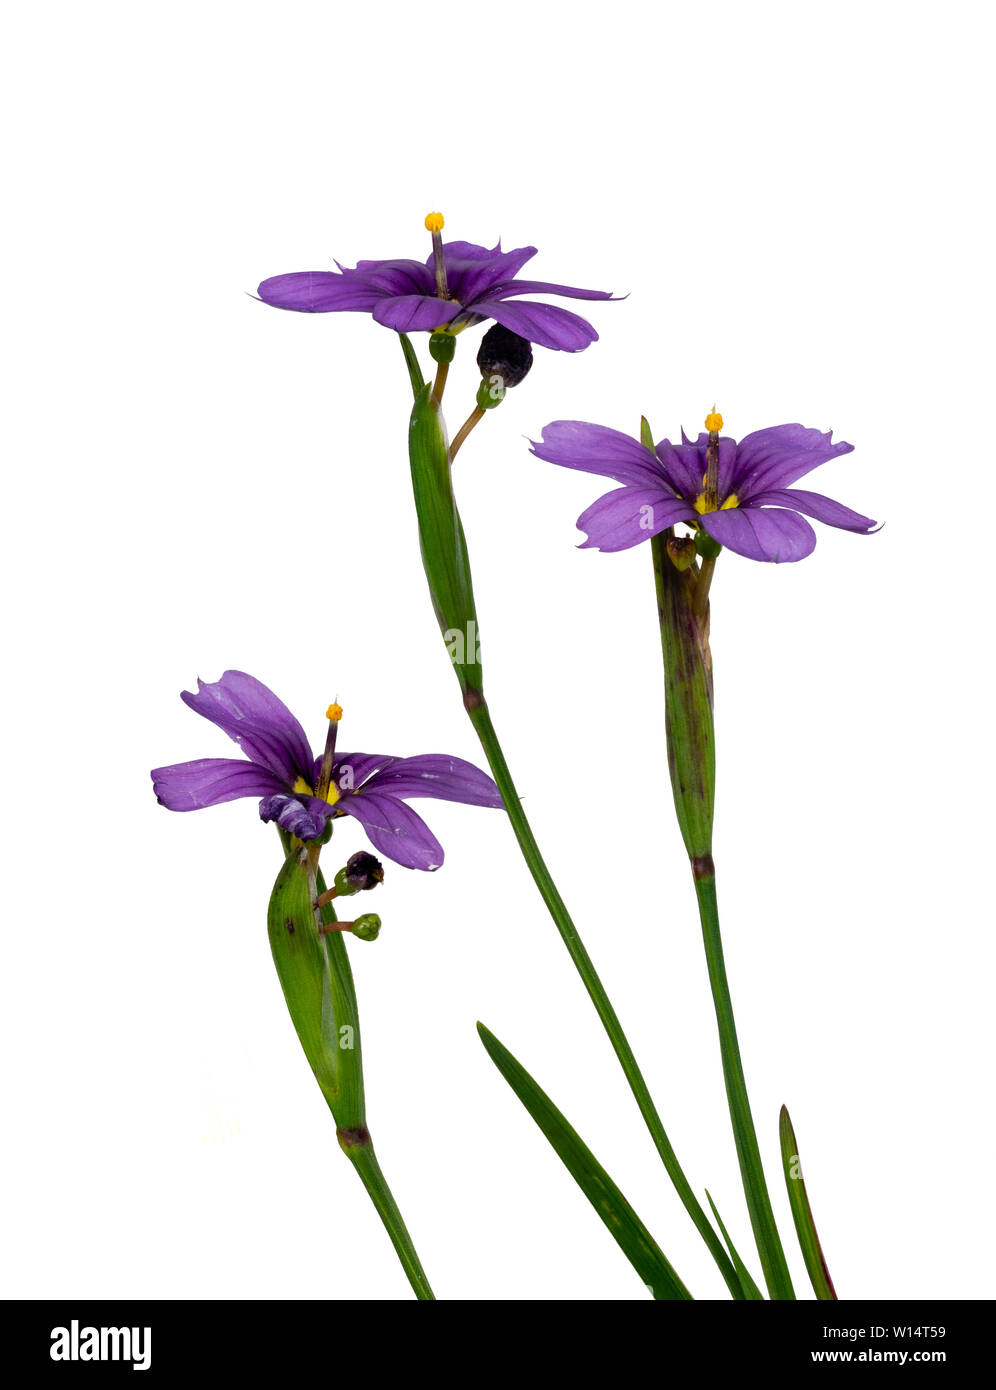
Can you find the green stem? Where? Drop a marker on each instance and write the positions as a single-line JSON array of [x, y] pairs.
[[359, 1149], [762, 1219], [481, 719]]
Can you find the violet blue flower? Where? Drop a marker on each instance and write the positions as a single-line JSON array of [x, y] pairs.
[[749, 507], [458, 285], [302, 793]]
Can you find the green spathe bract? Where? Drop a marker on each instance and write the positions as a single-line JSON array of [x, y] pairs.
[[444, 547], [315, 975]]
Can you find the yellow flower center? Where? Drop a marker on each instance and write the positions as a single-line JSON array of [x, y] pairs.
[[303, 788], [703, 504]]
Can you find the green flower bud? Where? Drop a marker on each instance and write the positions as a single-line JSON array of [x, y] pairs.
[[706, 546], [367, 927], [442, 347]]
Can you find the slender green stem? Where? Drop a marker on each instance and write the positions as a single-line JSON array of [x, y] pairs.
[[474, 418], [762, 1219], [481, 719], [703, 583], [439, 385], [359, 1150]]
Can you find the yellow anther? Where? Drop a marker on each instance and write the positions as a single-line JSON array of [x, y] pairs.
[[334, 712], [714, 422], [732, 501], [434, 222]]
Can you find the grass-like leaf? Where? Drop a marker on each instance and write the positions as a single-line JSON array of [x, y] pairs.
[[621, 1221], [802, 1215]]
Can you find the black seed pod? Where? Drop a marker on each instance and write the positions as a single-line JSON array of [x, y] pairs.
[[504, 354]]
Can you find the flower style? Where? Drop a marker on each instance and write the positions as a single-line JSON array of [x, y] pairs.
[[738, 492], [460, 284], [302, 793]]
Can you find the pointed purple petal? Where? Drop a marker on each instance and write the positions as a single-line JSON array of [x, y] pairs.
[[438, 776], [777, 536], [597, 449], [260, 724], [684, 465], [304, 817], [318, 292], [394, 829], [210, 781], [412, 313], [470, 251], [394, 277], [546, 324], [471, 278], [513, 287], [629, 515], [778, 456], [351, 770], [814, 504]]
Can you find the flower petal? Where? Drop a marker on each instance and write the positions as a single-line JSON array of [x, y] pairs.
[[814, 504], [394, 277], [259, 723], [412, 313], [438, 776], [318, 292], [304, 817], [471, 277], [546, 324], [686, 464], [774, 535], [210, 781], [597, 449], [629, 515], [394, 829], [778, 456], [512, 287]]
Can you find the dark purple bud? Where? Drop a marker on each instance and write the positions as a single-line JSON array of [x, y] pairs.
[[363, 871], [504, 354]]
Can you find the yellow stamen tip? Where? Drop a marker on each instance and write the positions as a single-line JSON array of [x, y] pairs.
[[334, 712], [434, 222], [714, 422]]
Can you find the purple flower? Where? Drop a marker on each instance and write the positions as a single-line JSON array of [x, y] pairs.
[[458, 285], [738, 493], [300, 792]]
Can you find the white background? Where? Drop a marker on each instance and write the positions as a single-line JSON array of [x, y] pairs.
[[797, 200]]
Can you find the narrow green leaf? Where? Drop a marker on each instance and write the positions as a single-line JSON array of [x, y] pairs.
[[622, 1222], [752, 1293], [411, 361], [444, 547], [802, 1215]]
